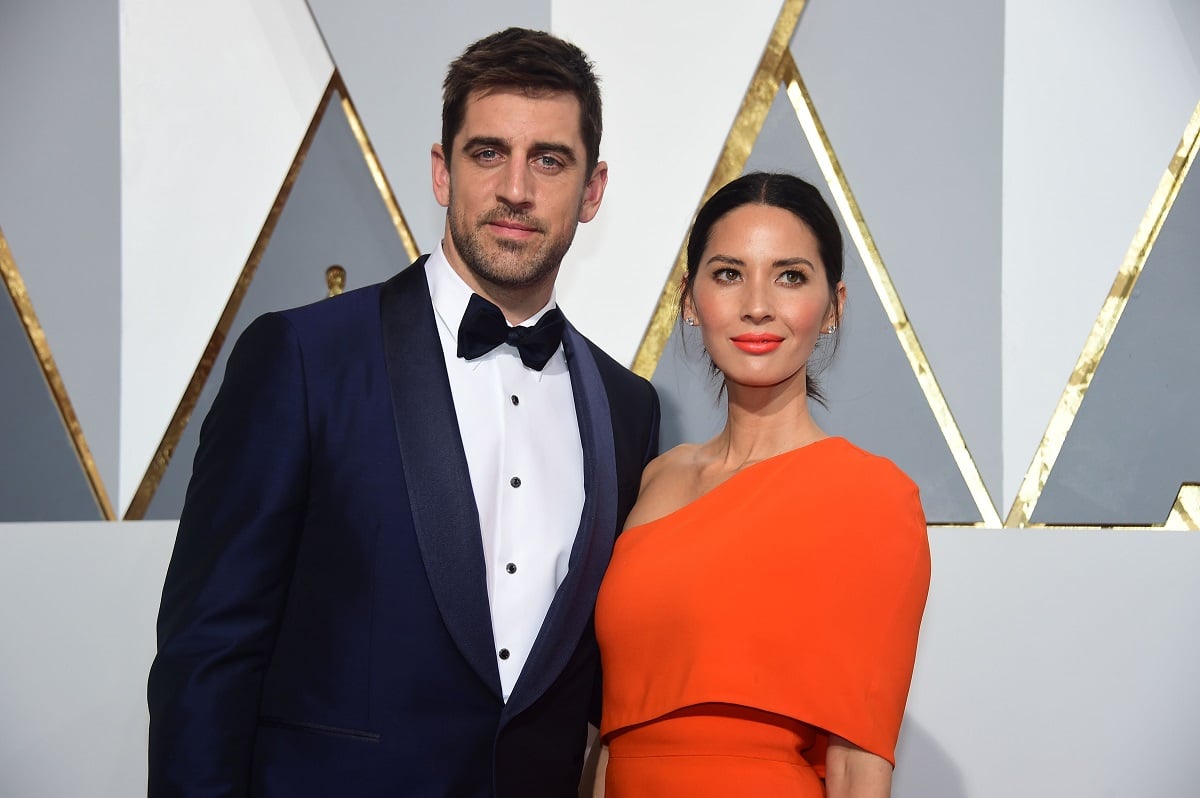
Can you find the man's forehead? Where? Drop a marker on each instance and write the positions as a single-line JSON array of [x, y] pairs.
[[528, 92], [551, 111]]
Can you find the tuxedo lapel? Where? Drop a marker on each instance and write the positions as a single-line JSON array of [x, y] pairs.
[[576, 596], [445, 518]]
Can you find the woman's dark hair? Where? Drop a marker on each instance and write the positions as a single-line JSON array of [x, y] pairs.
[[776, 190], [527, 60]]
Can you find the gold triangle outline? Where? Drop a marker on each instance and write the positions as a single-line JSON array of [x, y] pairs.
[[886, 291], [1038, 473], [777, 69], [17, 292], [376, 168], [161, 459], [1185, 513], [747, 124]]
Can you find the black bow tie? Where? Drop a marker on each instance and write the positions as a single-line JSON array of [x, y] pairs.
[[483, 329]]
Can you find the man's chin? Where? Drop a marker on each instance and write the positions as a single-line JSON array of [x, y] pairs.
[[512, 280], [515, 247], [506, 268]]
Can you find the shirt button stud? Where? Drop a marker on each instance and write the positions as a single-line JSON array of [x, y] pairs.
[[515, 482], [504, 653], [515, 400], [511, 567]]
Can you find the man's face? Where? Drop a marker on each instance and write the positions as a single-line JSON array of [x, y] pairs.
[[515, 186]]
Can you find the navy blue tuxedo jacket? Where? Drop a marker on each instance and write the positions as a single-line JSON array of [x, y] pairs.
[[324, 628]]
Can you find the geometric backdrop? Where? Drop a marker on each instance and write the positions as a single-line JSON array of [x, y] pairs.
[[1002, 155], [333, 214], [886, 388]]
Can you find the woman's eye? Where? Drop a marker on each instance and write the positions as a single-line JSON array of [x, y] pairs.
[[792, 277], [727, 275]]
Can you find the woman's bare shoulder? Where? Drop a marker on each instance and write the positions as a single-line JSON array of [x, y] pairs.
[[665, 482], [669, 463]]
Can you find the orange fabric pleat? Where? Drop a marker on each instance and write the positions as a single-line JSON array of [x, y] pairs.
[[712, 751]]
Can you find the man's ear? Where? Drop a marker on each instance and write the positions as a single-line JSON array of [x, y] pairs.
[[441, 175], [593, 192]]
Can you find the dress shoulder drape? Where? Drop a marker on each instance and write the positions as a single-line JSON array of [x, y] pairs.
[[789, 597]]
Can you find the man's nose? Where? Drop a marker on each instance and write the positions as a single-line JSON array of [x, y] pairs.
[[515, 187]]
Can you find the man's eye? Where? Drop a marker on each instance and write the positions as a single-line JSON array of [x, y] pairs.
[[549, 162], [487, 155]]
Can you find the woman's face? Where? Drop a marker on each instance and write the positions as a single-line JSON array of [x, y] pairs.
[[760, 296]]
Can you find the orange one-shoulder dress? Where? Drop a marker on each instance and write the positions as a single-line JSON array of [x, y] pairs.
[[740, 631]]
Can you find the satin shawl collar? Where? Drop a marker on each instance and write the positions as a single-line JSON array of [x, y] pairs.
[[447, 527], [445, 519]]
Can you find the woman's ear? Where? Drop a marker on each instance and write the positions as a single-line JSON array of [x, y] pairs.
[[836, 305], [687, 306]]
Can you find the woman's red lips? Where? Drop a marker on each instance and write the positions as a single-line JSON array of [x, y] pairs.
[[757, 343]]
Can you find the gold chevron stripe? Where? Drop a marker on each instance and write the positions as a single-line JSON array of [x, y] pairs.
[[1185, 514], [377, 173], [37, 338], [191, 395], [738, 144], [856, 225], [777, 68], [166, 448], [1106, 324]]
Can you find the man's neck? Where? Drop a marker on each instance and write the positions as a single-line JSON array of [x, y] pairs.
[[516, 303]]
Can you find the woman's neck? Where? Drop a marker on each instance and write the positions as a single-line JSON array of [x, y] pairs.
[[764, 422]]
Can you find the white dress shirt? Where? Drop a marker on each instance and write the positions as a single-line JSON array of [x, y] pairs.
[[521, 437]]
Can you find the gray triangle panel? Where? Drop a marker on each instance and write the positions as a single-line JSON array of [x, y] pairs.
[[1136, 436], [693, 406], [874, 398], [60, 191], [393, 57], [334, 215], [919, 132], [41, 478]]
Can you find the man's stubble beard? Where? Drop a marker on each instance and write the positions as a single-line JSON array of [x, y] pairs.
[[511, 264]]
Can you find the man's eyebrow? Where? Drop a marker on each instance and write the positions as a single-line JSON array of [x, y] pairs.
[[485, 141], [554, 147], [565, 151]]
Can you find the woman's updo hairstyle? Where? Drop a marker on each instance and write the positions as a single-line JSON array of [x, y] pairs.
[[778, 190]]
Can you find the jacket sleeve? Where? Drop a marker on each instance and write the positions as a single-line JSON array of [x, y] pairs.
[[230, 570], [653, 443]]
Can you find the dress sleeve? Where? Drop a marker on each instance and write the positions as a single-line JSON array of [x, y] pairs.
[[867, 616]]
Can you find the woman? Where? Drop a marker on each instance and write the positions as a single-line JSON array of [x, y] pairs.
[[759, 620]]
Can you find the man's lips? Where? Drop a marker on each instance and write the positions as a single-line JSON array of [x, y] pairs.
[[757, 343], [510, 229]]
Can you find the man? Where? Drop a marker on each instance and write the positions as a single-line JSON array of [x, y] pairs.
[[402, 505]]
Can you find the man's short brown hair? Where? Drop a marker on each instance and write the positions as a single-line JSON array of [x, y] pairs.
[[528, 60]]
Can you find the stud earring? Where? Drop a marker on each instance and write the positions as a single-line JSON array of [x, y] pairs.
[[832, 329], [689, 321]]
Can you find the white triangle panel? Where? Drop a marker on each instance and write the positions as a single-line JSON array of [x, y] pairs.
[[673, 81], [216, 98], [1096, 98]]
